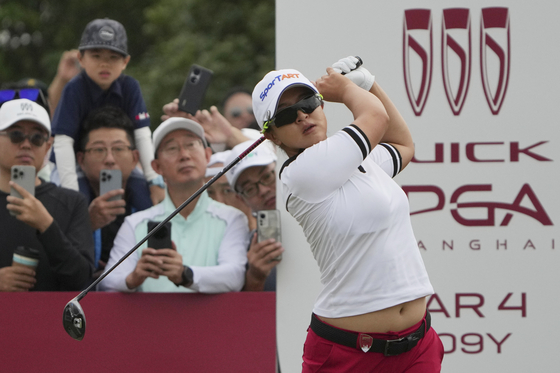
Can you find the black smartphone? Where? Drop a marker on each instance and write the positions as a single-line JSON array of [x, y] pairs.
[[194, 90], [23, 176], [268, 226], [162, 238], [110, 180]]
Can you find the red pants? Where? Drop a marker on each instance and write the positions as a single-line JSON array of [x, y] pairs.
[[321, 355]]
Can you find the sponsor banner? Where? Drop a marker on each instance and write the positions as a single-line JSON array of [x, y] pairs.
[[477, 83]]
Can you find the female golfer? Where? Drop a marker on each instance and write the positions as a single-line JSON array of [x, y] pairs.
[[371, 313]]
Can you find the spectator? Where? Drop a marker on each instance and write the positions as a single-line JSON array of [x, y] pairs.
[[108, 143], [209, 238], [254, 180], [221, 191], [103, 55], [54, 221], [238, 109], [36, 91]]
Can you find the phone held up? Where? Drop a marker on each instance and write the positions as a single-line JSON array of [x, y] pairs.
[[162, 238], [110, 180], [23, 176], [268, 226], [194, 89]]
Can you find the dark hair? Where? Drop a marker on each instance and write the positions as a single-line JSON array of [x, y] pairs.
[[233, 91], [107, 117]]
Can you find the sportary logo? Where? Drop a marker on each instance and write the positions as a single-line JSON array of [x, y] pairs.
[[271, 84], [456, 55]]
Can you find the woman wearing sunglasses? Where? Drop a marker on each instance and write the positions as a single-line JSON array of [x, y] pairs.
[[371, 313]]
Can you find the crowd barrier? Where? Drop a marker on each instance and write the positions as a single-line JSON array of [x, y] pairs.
[[140, 332]]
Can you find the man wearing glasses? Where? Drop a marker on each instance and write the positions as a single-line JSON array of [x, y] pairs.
[[107, 143], [209, 239], [52, 220], [254, 180]]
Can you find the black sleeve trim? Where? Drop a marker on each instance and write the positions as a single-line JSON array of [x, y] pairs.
[[360, 138], [287, 163], [288, 200], [396, 155]]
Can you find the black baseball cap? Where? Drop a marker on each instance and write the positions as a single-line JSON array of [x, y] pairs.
[[104, 33]]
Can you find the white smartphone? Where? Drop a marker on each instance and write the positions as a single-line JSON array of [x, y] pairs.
[[110, 180], [268, 226], [23, 176]]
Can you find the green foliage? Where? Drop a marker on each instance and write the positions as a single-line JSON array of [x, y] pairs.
[[234, 39]]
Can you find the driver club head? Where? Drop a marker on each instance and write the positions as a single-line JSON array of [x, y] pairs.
[[74, 320]]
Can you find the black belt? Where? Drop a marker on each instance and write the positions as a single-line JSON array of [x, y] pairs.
[[366, 342]]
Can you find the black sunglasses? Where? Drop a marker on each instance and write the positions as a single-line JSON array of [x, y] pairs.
[[17, 137], [289, 114]]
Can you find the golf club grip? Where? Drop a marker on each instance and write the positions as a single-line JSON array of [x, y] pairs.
[[172, 215], [358, 64]]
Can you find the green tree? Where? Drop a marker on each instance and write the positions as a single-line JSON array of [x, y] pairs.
[[234, 39], [34, 33]]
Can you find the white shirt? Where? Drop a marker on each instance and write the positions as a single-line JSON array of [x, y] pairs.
[[357, 222]]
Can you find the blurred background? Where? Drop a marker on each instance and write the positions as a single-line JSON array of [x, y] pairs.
[[165, 37]]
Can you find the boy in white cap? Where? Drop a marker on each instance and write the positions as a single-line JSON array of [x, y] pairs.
[[54, 220], [209, 238], [254, 180], [221, 191]]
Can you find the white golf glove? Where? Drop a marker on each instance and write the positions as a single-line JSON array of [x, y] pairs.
[[360, 76]]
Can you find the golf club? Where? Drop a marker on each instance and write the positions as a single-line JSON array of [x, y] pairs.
[[73, 317]]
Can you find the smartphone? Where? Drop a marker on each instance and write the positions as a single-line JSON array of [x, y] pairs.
[[110, 180], [268, 226], [194, 90], [162, 238], [23, 176]]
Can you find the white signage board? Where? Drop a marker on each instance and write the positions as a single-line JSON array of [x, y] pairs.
[[477, 82]]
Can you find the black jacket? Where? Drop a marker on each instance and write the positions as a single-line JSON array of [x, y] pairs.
[[66, 247]]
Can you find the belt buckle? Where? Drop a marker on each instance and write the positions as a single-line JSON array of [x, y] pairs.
[[388, 343]]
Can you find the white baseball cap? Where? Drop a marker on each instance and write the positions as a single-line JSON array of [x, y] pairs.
[[23, 109], [219, 157], [261, 156], [268, 91], [177, 123]]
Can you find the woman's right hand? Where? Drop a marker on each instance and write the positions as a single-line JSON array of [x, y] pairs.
[[333, 85]]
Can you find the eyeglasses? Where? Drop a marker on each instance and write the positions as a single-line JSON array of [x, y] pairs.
[[289, 114], [253, 189], [100, 153], [173, 149], [236, 111], [32, 94], [17, 137]]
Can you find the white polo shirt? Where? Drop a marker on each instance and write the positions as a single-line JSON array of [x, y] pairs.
[[357, 222]]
